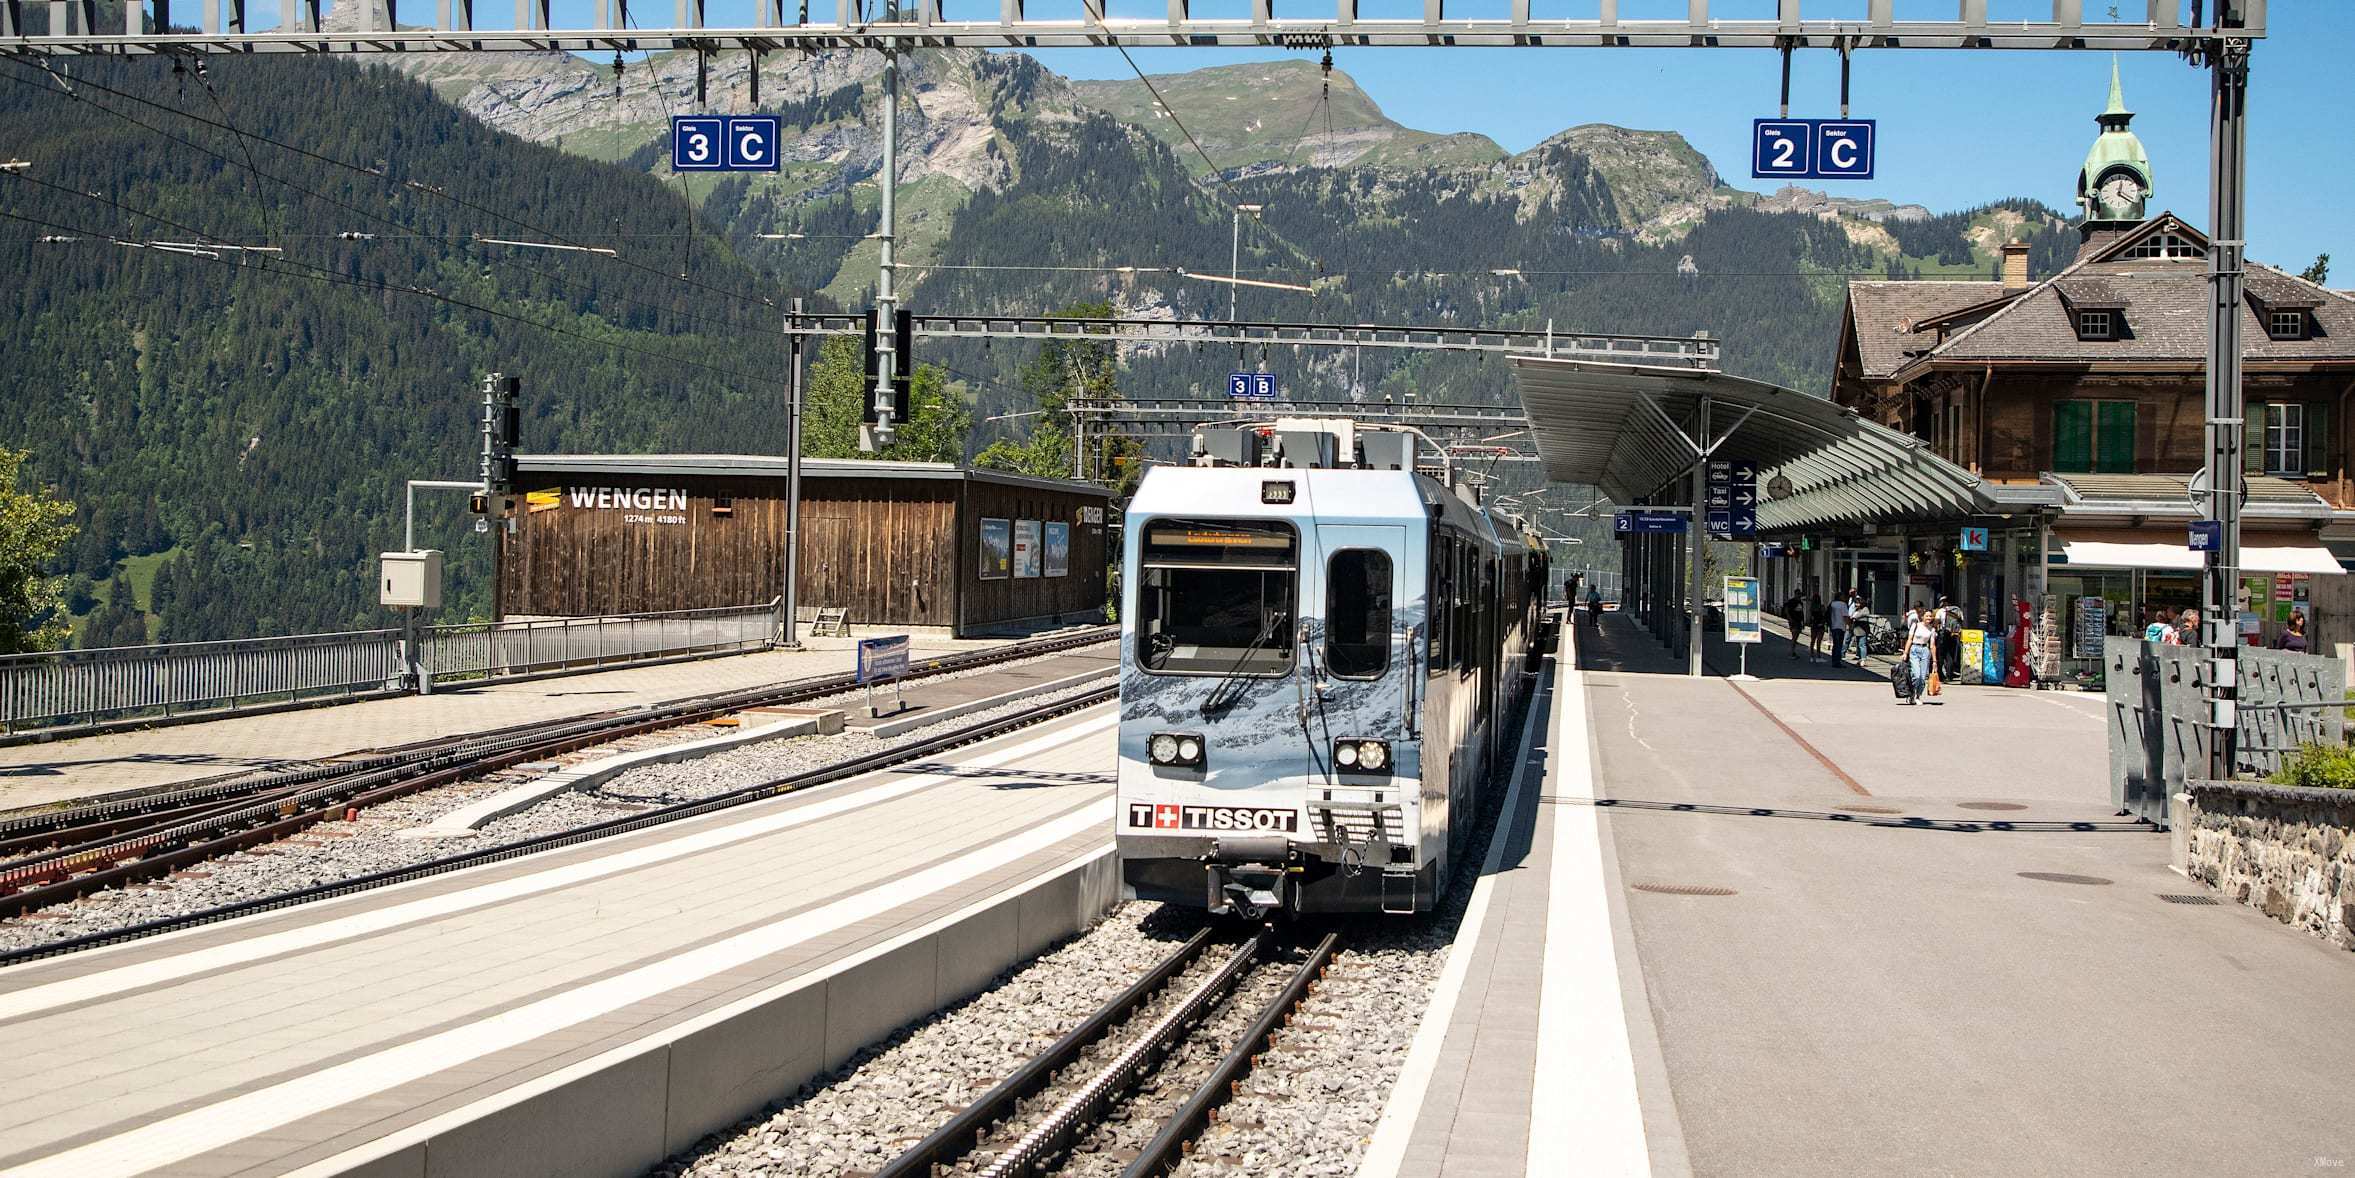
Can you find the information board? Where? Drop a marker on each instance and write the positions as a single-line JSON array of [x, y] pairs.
[[1741, 610], [883, 659], [2093, 625]]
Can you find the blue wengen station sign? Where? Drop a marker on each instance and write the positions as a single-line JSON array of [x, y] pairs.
[[724, 143]]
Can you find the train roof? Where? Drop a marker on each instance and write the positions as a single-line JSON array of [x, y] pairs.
[[1342, 496]]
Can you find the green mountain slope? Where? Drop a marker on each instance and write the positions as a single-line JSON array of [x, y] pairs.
[[1280, 113]]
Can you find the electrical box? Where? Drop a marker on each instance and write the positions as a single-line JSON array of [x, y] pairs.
[[412, 579]]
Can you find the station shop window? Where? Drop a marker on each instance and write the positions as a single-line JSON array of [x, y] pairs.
[[1357, 613]]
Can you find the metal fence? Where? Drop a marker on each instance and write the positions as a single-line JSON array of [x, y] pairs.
[[60, 691], [2158, 709], [584, 644]]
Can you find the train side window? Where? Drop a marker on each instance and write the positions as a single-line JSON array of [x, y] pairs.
[[1357, 613], [1438, 601]]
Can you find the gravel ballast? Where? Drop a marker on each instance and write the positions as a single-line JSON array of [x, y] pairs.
[[1308, 1110]]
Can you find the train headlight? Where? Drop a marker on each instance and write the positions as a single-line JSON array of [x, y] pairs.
[[1362, 756], [1182, 749]]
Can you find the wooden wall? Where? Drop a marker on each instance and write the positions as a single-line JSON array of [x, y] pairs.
[[569, 560], [891, 550], [997, 602]]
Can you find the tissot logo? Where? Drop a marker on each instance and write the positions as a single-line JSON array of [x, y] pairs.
[[1164, 816]]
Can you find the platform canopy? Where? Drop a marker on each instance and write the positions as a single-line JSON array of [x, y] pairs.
[[1633, 430]]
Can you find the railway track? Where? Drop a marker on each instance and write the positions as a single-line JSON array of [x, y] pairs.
[[1168, 1042], [56, 855]]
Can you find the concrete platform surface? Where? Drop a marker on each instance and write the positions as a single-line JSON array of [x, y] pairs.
[[79, 767], [1792, 927], [302, 1037]]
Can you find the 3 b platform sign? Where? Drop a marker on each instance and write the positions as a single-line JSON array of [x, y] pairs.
[[724, 143], [1252, 386]]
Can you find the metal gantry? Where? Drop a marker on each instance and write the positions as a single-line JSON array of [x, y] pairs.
[[376, 26]]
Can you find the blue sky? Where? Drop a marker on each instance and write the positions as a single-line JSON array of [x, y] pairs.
[[1957, 128]]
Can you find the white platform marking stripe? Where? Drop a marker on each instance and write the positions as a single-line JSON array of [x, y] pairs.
[[1584, 1117], [34, 999], [1387, 1152], [176, 1139]]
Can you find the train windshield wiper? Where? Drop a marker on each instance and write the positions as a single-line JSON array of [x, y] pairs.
[[1231, 685]]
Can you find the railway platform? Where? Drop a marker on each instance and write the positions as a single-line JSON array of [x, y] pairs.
[[590, 1010], [80, 768], [1790, 927]]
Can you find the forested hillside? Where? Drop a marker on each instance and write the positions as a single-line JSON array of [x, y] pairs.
[[235, 428]]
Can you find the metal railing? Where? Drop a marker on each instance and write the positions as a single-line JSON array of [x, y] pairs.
[[542, 646], [62, 691]]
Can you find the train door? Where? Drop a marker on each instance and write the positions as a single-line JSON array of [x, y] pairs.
[[1362, 660]]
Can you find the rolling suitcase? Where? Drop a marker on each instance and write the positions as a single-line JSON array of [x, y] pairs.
[[1901, 680]]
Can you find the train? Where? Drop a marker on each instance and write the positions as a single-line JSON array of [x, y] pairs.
[[1323, 650]]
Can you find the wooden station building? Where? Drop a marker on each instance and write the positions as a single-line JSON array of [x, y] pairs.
[[894, 543]]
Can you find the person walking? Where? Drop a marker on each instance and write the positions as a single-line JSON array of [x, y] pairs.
[[1950, 627], [1921, 642], [1837, 620], [1795, 612], [2187, 628], [2293, 637], [2162, 628], [1859, 626], [1817, 618], [1594, 606]]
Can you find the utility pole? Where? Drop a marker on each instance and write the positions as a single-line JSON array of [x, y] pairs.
[[788, 601], [886, 298], [1697, 546], [2228, 65]]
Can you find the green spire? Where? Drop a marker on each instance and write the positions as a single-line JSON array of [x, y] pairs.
[[2117, 108]]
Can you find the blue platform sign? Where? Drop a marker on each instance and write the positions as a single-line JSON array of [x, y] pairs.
[[1812, 149], [882, 659], [724, 143], [1628, 522], [1252, 386], [752, 143], [2207, 535], [1732, 512]]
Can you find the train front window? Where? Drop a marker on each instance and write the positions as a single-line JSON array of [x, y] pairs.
[[1357, 613], [1216, 597]]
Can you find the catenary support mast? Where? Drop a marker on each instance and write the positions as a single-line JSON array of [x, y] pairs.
[[2228, 64]]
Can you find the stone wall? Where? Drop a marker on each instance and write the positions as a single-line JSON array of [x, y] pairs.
[[2287, 851]]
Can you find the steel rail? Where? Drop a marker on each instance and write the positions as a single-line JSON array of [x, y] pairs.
[[1169, 1146], [273, 809], [628, 824], [958, 1136], [1063, 1125]]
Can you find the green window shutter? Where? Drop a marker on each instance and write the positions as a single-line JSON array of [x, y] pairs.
[[2253, 438], [2114, 437], [2072, 436], [2318, 440]]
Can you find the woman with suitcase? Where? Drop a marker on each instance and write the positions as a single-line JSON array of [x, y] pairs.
[[1921, 644]]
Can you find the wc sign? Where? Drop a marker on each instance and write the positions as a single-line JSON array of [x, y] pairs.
[[1811, 149]]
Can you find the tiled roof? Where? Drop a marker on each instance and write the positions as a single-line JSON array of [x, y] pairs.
[[1882, 314], [2165, 314]]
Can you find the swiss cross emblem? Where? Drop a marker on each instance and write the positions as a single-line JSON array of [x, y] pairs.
[[1165, 817]]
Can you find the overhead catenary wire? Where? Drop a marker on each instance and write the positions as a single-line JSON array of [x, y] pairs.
[[376, 172], [381, 219], [298, 269]]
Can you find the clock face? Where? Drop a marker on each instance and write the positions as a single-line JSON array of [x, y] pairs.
[[2120, 194]]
